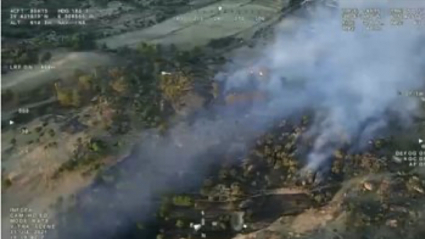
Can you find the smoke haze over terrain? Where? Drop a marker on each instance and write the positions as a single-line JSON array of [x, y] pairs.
[[350, 78]]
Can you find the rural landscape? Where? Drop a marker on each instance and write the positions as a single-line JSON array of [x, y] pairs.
[[212, 119]]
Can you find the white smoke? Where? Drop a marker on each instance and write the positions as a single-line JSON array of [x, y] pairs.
[[352, 78]]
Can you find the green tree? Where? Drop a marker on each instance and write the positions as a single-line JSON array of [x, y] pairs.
[[76, 98], [45, 57], [7, 183], [147, 50], [294, 3], [164, 208], [180, 223], [13, 141], [160, 17], [85, 82], [197, 52], [7, 95], [96, 146], [81, 41], [184, 201], [120, 85]]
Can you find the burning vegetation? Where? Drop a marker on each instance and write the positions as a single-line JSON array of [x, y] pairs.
[[357, 195]]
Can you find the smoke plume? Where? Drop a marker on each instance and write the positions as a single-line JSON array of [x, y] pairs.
[[351, 79]]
